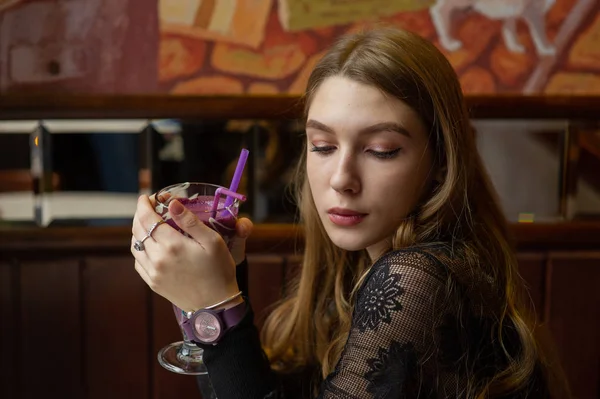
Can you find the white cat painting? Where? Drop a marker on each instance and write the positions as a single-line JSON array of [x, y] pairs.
[[533, 12]]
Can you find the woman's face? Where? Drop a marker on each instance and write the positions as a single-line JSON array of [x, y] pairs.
[[368, 163]]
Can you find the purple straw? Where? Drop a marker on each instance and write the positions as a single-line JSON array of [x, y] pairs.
[[237, 176], [230, 194]]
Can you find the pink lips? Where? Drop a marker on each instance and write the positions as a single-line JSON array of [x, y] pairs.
[[345, 217]]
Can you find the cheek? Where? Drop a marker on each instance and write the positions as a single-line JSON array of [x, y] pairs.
[[402, 187], [316, 169], [310, 172], [314, 178]]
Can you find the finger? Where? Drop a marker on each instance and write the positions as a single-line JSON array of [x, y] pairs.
[[145, 218], [237, 247], [151, 246], [136, 214], [189, 223], [138, 255], [141, 258], [144, 210], [139, 232], [143, 274], [160, 199], [243, 228]]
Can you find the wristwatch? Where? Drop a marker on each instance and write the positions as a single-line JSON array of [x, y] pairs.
[[208, 326]]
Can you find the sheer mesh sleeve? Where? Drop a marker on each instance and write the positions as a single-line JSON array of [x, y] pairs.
[[392, 328]]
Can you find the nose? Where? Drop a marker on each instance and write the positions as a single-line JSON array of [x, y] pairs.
[[345, 178]]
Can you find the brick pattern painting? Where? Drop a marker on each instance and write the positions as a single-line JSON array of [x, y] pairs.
[[205, 47]]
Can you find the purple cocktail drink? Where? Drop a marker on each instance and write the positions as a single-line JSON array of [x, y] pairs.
[[222, 221], [217, 208]]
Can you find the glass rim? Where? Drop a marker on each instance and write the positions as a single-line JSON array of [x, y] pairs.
[[216, 186]]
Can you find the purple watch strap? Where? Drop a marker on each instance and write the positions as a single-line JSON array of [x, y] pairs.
[[228, 317], [234, 315]]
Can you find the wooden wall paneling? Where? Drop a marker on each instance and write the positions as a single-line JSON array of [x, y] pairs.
[[573, 313], [265, 283], [532, 267], [116, 329], [167, 384], [50, 329], [9, 336]]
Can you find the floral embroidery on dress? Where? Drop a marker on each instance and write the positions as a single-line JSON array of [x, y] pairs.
[[378, 299], [388, 371]]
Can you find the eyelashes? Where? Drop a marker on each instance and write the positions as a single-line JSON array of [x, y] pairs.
[[323, 150], [326, 150], [385, 154]]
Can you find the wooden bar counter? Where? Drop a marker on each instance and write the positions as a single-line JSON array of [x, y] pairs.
[[78, 322]]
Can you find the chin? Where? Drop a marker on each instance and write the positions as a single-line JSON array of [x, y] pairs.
[[346, 242]]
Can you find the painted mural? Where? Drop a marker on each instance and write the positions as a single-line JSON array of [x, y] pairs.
[[188, 47]]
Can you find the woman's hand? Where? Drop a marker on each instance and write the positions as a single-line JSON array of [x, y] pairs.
[[192, 273], [243, 229]]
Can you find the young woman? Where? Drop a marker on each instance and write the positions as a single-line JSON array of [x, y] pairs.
[[409, 287]]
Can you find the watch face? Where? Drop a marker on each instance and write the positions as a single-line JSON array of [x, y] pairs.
[[207, 327]]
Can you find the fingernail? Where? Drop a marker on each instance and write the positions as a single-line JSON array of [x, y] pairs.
[[177, 209]]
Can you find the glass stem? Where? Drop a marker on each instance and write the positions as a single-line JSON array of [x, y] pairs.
[[190, 350]]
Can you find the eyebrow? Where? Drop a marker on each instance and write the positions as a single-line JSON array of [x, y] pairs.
[[378, 127]]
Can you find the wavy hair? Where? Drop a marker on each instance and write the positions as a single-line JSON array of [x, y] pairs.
[[311, 324]]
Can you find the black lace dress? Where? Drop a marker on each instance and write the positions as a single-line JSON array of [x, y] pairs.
[[417, 332]]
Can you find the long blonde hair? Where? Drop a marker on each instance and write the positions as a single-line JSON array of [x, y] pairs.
[[310, 325]]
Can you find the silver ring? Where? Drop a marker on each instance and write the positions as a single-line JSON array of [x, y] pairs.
[[138, 245]]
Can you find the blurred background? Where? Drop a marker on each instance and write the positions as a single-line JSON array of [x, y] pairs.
[[102, 100]]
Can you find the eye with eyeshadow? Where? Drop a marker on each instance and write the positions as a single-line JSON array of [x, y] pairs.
[[322, 149], [385, 154]]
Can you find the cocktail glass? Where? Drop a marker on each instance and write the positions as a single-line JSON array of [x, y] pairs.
[[218, 208]]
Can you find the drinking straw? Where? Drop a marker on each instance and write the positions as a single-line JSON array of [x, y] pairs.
[[230, 194], [237, 176]]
